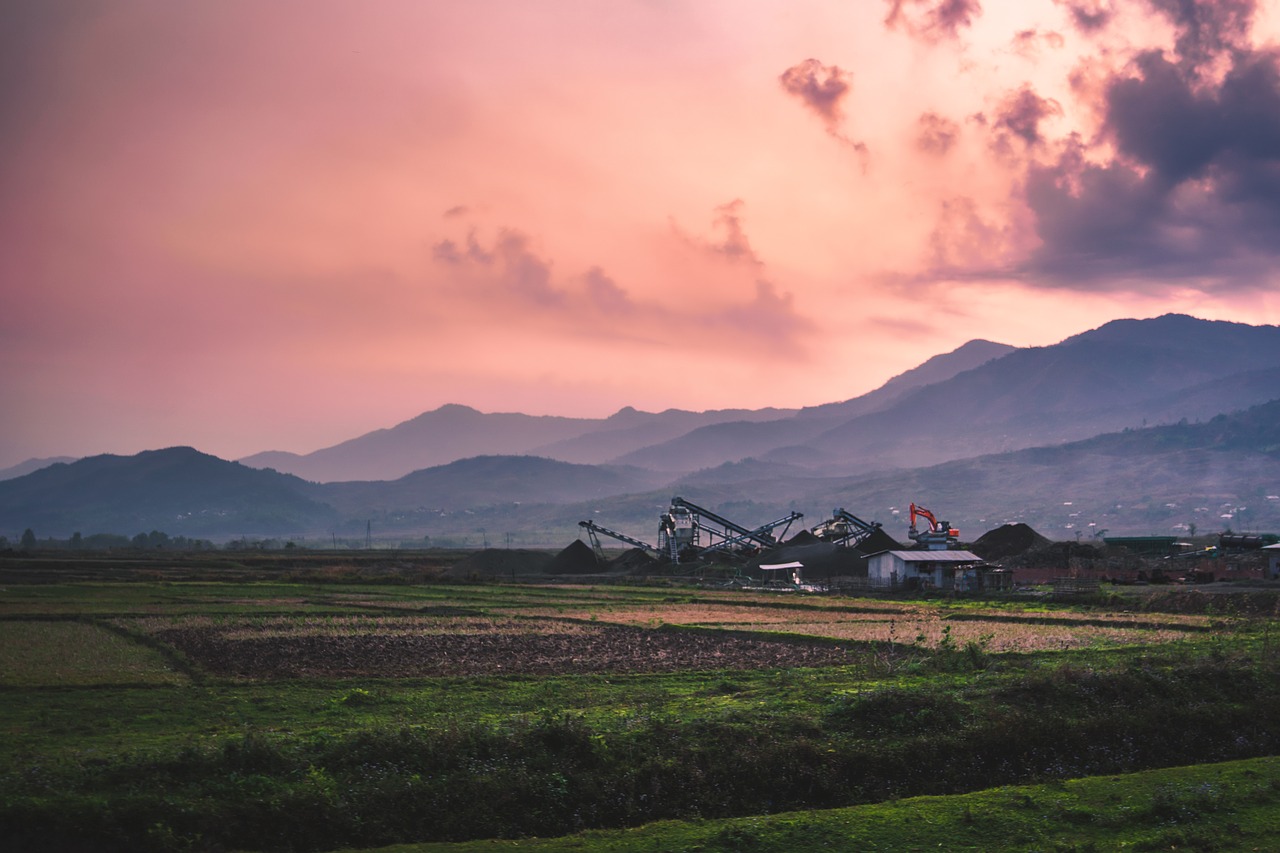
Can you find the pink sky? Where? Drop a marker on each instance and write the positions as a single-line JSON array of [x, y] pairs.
[[247, 226]]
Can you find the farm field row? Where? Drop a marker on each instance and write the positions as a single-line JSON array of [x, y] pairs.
[[275, 715]]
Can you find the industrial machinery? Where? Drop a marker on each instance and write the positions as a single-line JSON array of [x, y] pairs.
[[939, 536], [681, 532], [594, 530], [844, 528], [681, 526]]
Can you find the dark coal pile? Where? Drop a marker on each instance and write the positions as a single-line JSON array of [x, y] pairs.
[[821, 560], [576, 559], [877, 542], [637, 561], [500, 563], [1007, 540], [804, 537]]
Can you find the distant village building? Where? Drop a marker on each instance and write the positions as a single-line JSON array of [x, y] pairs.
[[1273, 562], [962, 571]]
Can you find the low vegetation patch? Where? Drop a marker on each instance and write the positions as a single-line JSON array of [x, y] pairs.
[[318, 716], [76, 654]]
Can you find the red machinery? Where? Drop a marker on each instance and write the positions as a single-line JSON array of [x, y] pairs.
[[939, 536]]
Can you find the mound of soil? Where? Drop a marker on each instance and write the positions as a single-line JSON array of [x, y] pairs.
[[637, 561], [577, 558], [1007, 540], [500, 562], [821, 560], [877, 542], [604, 648]]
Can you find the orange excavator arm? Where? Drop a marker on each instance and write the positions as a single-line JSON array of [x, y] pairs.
[[923, 513]]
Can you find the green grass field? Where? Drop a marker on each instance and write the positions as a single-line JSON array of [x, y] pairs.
[[275, 714]]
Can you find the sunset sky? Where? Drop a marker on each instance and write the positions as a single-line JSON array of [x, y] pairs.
[[278, 225]]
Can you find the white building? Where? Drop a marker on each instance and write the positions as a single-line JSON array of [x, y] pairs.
[[926, 569], [1273, 561]]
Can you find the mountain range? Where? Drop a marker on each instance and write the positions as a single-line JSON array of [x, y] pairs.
[[1138, 426]]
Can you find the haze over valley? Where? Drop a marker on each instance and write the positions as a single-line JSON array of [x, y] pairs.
[[1138, 427]]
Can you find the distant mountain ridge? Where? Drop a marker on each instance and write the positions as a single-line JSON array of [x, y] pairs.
[[30, 465], [1223, 473], [673, 441], [175, 490], [1217, 474], [985, 434], [454, 432]]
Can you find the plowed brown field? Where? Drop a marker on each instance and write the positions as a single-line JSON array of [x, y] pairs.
[[583, 649]]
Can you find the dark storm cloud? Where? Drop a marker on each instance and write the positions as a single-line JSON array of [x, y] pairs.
[[823, 88], [1027, 43], [1194, 191], [937, 134], [1020, 115], [820, 87], [517, 271], [1207, 28], [1089, 16], [932, 20]]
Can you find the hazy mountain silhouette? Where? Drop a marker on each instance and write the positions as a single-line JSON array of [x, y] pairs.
[[1051, 436], [717, 444], [1217, 475], [1136, 481], [1128, 373], [629, 430], [437, 437], [32, 465], [177, 490], [454, 432], [1139, 481], [986, 398], [940, 368], [673, 440], [483, 481]]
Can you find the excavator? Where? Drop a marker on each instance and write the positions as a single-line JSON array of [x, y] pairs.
[[939, 536]]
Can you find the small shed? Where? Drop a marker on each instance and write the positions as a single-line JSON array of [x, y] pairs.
[[1273, 561], [958, 570], [789, 571]]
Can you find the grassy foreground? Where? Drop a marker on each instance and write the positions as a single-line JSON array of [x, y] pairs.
[[127, 728], [1234, 806]]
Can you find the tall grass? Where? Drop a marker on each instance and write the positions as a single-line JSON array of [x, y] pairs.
[[556, 772]]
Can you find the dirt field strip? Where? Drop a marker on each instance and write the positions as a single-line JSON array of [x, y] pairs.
[[996, 630], [1001, 637], [706, 615], [530, 649]]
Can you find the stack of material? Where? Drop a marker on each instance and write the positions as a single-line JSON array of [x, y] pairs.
[[877, 542], [637, 561], [821, 560], [500, 563], [1007, 540], [576, 559]]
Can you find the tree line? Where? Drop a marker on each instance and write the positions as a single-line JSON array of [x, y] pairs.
[[156, 540]]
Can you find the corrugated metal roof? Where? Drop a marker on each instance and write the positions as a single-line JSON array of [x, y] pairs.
[[936, 556]]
